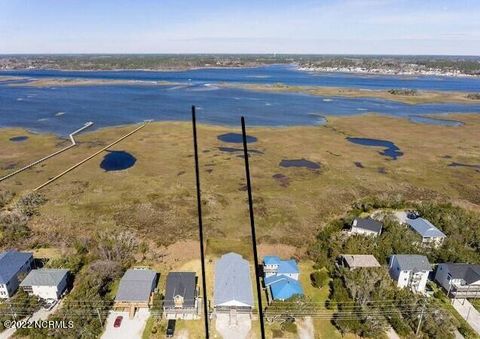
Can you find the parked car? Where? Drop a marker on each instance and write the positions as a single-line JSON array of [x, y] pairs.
[[170, 328], [49, 304], [118, 321]]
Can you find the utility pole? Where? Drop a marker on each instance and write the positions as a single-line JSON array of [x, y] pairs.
[[200, 222], [252, 224], [420, 318]]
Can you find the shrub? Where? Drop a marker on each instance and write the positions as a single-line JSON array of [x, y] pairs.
[[319, 278]]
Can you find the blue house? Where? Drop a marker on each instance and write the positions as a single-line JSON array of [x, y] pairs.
[[281, 278], [283, 287], [13, 265]]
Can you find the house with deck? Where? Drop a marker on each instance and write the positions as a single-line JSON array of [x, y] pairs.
[[273, 265], [410, 271], [281, 278], [366, 226], [14, 266], [46, 283], [181, 296], [459, 280], [233, 285], [135, 290]]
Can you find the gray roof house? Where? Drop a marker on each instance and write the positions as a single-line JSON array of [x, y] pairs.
[[459, 280], [429, 232], [366, 226], [353, 261], [12, 265], [46, 283], [410, 270], [233, 285], [181, 296], [135, 289]]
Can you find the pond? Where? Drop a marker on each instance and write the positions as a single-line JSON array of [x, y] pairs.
[[300, 163], [390, 149], [421, 119], [235, 138], [233, 150], [19, 138], [117, 161]]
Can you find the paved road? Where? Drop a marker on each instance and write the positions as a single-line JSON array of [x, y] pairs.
[[130, 328], [468, 312]]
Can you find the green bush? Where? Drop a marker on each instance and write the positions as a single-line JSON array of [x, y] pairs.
[[319, 278]]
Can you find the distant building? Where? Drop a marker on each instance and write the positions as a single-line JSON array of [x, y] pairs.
[[273, 265], [13, 266], [459, 280], [136, 290], [429, 233], [353, 261], [233, 286], [366, 227], [410, 271], [181, 296], [46, 283]]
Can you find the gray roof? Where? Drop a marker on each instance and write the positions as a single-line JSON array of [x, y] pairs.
[[232, 280], [44, 277], [183, 284], [10, 264], [467, 272], [425, 228], [136, 285], [360, 260], [413, 262], [369, 224]]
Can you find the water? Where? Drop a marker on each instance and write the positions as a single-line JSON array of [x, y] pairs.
[[63, 109], [236, 138], [299, 163], [435, 121], [117, 161], [390, 149], [19, 138]]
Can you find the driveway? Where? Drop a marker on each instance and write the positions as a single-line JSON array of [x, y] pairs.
[[468, 312], [130, 328], [305, 328], [238, 329]]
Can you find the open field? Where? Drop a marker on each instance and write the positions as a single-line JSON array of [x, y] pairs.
[[155, 198], [420, 97]]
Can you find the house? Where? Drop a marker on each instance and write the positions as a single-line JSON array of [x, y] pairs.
[[429, 233], [135, 290], [459, 280], [283, 287], [233, 286], [46, 283], [410, 271], [181, 296], [366, 226], [352, 261], [273, 265], [13, 267]]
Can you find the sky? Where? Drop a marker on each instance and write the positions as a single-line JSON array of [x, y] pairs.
[[443, 27]]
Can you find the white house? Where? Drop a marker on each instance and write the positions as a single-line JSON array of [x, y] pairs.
[[273, 265], [459, 280], [410, 271], [13, 265], [366, 227], [429, 233], [46, 283]]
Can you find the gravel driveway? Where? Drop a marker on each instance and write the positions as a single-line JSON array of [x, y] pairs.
[[237, 330], [130, 328]]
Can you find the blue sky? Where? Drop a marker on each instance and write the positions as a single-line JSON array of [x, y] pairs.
[[245, 26]]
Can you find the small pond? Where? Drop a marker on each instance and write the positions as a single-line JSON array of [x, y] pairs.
[[299, 163], [390, 149], [117, 161], [421, 119], [233, 150], [235, 138], [19, 138]]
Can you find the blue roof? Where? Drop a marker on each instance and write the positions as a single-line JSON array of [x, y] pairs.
[[283, 287], [10, 263], [271, 260], [288, 266], [425, 228]]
